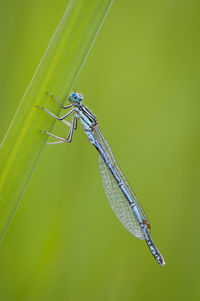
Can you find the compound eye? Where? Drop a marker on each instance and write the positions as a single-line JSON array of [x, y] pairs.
[[75, 97]]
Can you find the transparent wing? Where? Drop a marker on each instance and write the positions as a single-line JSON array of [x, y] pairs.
[[116, 198]]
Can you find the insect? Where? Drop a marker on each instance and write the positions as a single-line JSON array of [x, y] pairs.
[[121, 197]]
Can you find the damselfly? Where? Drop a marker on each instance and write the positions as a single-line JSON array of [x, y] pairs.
[[121, 197]]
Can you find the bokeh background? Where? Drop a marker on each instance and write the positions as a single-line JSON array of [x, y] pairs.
[[141, 79]]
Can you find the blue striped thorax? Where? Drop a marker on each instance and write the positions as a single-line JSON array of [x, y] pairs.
[[87, 119]]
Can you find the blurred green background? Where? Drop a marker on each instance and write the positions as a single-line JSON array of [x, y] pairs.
[[141, 79]]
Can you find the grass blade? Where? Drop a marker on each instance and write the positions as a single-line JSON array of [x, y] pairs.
[[61, 63]]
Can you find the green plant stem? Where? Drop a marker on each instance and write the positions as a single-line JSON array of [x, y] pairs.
[[60, 65]]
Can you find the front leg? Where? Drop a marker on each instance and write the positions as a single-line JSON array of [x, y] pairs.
[[56, 99]]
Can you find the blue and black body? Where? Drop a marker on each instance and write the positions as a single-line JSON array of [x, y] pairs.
[[121, 197]]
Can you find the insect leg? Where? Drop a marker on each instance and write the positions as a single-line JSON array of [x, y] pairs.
[[54, 116], [61, 140], [56, 99]]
